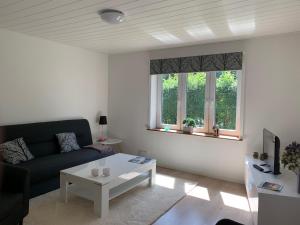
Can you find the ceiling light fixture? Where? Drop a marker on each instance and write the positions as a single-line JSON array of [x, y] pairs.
[[112, 16]]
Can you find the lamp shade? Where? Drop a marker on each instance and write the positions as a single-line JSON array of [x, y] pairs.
[[103, 120]]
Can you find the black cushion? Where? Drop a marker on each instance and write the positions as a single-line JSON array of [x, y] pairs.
[[41, 137], [45, 168], [10, 203]]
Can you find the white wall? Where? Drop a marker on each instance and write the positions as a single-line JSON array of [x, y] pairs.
[[271, 100], [42, 80]]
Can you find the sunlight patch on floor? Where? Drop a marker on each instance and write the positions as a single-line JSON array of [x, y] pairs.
[[235, 201], [197, 192], [200, 192], [165, 181]]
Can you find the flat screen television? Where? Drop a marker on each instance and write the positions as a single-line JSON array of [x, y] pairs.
[[271, 146]]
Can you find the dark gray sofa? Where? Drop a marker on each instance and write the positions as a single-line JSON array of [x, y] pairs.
[[42, 143]]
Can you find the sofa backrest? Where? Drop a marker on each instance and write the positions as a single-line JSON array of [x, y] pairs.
[[41, 137]]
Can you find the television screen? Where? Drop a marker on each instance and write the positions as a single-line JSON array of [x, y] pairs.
[[271, 146]]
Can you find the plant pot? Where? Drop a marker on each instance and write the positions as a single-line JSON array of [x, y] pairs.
[[255, 155], [188, 130], [263, 156]]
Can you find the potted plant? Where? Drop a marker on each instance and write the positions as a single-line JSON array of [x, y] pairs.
[[216, 130], [291, 159], [189, 125]]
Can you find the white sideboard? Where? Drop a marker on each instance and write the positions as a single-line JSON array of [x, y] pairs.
[[270, 207]]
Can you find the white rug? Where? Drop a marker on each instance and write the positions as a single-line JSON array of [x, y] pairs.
[[140, 206]]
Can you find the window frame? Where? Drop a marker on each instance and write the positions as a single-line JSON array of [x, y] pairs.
[[209, 107]]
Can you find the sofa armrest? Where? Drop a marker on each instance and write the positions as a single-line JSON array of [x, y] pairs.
[[15, 179]]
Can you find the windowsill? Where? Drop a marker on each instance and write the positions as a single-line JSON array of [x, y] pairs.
[[198, 134]]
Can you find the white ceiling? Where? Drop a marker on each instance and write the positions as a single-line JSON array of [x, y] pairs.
[[149, 24]]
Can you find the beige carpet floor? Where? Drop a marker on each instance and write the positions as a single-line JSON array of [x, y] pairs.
[[140, 206]]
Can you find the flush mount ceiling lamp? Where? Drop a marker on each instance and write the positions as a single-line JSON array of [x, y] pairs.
[[112, 16]]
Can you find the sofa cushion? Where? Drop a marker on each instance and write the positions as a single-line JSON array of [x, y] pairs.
[[44, 168], [10, 203], [15, 151], [67, 142]]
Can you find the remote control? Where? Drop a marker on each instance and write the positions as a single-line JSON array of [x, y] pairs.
[[258, 167]]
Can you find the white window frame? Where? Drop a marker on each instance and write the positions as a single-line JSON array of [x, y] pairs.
[[209, 114]]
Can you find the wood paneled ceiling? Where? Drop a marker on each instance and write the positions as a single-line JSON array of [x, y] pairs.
[[150, 24]]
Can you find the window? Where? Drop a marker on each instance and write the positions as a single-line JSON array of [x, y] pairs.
[[226, 99], [210, 98], [195, 97], [169, 96]]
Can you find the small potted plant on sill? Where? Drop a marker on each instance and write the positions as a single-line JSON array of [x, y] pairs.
[[216, 130], [291, 159], [189, 125]]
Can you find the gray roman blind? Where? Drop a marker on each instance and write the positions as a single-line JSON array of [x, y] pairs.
[[216, 62]]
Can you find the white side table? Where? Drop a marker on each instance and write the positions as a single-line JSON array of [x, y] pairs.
[[112, 141]]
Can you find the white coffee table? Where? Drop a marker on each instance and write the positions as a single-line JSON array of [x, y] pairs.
[[124, 176]]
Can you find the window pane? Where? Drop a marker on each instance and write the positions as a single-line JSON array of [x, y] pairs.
[[169, 98], [195, 97], [226, 99]]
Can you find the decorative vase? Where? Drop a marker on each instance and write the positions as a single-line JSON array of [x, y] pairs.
[[216, 130], [188, 130], [95, 172], [167, 127]]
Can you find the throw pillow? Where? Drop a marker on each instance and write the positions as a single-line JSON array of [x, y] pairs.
[[15, 151], [67, 142]]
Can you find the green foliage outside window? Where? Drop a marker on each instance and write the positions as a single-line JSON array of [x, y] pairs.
[[169, 98], [195, 97], [226, 98]]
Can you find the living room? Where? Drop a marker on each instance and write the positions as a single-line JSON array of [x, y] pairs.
[[99, 70]]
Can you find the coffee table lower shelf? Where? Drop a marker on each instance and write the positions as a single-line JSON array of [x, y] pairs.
[[114, 192]]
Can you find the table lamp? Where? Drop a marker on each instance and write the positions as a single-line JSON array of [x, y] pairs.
[[102, 122]]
